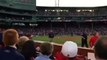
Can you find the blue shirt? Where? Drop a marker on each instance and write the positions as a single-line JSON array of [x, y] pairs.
[[42, 57]]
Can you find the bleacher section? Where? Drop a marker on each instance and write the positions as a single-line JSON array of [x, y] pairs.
[[67, 14], [12, 11]]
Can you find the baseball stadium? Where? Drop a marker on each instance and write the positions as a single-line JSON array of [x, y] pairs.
[[55, 24]]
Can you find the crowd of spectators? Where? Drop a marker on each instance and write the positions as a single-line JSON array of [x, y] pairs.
[[69, 50], [60, 28], [14, 14], [62, 31], [14, 18]]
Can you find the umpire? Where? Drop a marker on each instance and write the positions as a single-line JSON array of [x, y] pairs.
[[84, 40]]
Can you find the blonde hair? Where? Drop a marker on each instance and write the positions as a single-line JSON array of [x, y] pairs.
[[10, 37], [22, 40]]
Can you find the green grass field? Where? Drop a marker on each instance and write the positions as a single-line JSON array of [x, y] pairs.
[[60, 39]]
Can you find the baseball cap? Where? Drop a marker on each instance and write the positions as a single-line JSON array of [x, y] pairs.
[[69, 49]]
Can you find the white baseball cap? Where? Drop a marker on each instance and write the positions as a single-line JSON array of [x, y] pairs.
[[69, 49]]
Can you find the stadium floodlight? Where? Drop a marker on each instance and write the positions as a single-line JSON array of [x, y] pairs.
[[91, 10], [66, 10], [53, 10], [57, 10], [78, 10], [59, 18], [61, 10], [45, 10]]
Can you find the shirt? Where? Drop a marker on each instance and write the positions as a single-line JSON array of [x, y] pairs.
[[42, 57], [10, 53], [93, 41], [60, 56]]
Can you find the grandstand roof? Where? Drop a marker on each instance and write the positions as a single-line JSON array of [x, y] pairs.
[[69, 7]]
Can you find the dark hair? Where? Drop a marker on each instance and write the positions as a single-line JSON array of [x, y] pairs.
[[28, 49], [101, 48], [46, 48]]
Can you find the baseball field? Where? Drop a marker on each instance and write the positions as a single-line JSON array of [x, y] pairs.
[[61, 39]]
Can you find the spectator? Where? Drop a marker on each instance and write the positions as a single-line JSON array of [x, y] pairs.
[[101, 49], [29, 36], [1, 39], [29, 50], [93, 39], [46, 51], [69, 51], [22, 40], [10, 39]]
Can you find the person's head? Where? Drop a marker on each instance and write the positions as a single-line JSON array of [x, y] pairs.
[[96, 33], [10, 37], [101, 48], [46, 48], [69, 49], [28, 35], [22, 40], [28, 49]]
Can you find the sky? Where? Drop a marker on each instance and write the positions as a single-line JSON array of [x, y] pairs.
[[72, 3]]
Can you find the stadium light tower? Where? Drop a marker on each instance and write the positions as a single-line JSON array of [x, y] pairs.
[[57, 3]]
